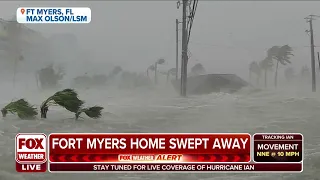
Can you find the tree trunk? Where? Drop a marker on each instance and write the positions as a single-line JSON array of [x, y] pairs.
[[276, 75], [265, 78], [44, 112]]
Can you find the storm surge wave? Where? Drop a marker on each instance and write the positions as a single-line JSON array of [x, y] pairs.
[[249, 110]]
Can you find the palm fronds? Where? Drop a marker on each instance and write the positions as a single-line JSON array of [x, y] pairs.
[[67, 98], [49, 77], [22, 108], [93, 112]]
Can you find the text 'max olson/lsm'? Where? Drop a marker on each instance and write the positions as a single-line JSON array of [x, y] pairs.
[[63, 15]]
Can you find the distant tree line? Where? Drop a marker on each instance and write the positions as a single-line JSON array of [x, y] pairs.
[[276, 55]]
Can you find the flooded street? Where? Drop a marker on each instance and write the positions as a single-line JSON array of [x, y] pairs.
[[157, 111]]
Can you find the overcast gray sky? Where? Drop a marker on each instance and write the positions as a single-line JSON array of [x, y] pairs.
[[225, 37]]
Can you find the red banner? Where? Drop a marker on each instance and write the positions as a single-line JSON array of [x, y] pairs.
[[135, 152], [174, 167], [149, 147]]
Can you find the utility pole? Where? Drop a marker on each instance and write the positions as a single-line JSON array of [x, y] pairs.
[[177, 48], [184, 60], [319, 60], [312, 57], [313, 68]]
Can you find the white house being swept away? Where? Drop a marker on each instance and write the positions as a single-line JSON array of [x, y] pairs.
[[24, 51], [16, 43], [17, 36]]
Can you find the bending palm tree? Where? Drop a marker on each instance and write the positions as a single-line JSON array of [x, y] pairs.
[[66, 98], [281, 55], [266, 65], [22, 108]]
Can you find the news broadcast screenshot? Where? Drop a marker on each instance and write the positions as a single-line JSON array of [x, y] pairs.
[[159, 90], [137, 152]]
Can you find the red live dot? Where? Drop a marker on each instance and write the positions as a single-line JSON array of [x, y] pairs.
[[34, 143]]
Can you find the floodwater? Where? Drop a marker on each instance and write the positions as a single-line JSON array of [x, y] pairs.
[[150, 110]]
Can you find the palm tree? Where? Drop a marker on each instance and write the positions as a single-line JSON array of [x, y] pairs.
[[67, 98], [289, 73], [154, 68], [281, 55], [22, 108], [255, 69], [159, 61], [266, 65]]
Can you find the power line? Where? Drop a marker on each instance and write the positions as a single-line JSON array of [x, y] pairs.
[[255, 47], [191, 16]]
